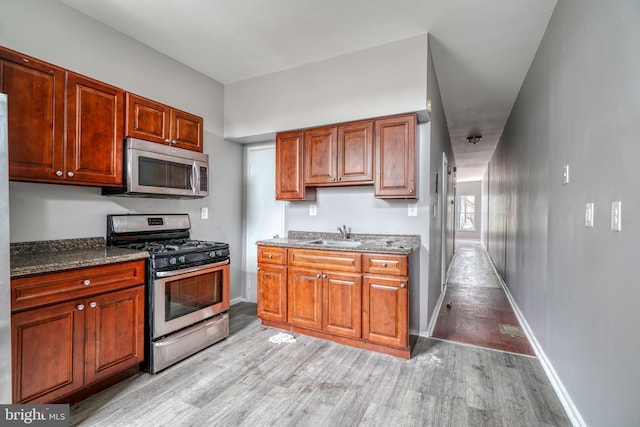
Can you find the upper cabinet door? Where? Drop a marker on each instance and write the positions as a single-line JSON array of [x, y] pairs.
[[289, 168], [395, 151], [94, 132], [36, 117], [186, 130], [147, 119], [320, 155], [355, 153]]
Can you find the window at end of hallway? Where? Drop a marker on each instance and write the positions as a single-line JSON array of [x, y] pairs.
[[466, 212]]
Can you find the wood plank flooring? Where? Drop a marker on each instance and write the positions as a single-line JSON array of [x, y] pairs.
[[478, 304], [247, 381]]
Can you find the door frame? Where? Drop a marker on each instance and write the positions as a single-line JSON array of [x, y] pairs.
[[443, 224]]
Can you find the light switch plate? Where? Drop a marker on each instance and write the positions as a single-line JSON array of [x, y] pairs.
[[588, 215], [413, 209], [616, 216], [204, 213], [565, 174], [313, 209]]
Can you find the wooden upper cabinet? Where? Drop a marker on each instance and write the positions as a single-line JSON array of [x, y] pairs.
[[186, 130], [395, 152], [35, 93], [289, 168], [339, 155], [156, 122], [85, 148], [147, 119], [94, 132]]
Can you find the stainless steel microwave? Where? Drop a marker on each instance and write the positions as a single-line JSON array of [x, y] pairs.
[[163, 171]]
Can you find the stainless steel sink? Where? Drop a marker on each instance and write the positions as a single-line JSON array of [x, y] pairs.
[[339, 243]]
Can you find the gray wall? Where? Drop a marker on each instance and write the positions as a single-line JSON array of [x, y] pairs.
[[465, 189], [484, 200], [51, 31], [439, 143], [577, 287], [5, 288]]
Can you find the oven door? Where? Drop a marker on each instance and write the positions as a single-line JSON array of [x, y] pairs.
[[184, 297]]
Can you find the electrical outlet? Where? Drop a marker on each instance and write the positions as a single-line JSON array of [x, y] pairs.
[[204, 213], [313, 209], [413, 209], [588, 215], [616, 216]]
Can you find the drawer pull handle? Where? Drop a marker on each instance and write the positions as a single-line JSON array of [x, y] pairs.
[[87, 282], [270, 256], [402, 285], [384, 264], [80, 307], [93, 304]]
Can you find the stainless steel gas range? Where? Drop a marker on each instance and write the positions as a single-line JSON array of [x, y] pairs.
[[187, 292]]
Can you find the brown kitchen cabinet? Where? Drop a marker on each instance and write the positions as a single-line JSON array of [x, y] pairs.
[[86, 149], [339, 155], [272, 284], [156, 122], [385, 314], [290, 168], [395, 157], [74, 329], [358, 299]]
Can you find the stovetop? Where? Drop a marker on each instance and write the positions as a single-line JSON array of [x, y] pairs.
[[176, 246]]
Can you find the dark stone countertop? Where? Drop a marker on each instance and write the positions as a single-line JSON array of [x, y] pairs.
[[57, 255], [401, 244]]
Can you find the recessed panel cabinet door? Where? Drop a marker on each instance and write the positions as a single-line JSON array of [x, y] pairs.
[[355, 152], [272, 292], [48, 352], [396, 157], [342, 304], [115, 332], [186, 131], [147, 119], [289, 168], [320, 155], [305, 298], [385, 311], [95, 129], [35, 94]]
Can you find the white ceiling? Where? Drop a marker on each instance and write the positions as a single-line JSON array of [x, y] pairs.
[[482, 50]]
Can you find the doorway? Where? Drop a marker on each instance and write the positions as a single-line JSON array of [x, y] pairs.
[[264, 215]]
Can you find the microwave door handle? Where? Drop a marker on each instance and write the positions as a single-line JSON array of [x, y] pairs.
[[195, 178]]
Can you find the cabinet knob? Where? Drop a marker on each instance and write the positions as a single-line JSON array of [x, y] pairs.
[[411, 191], [339, 178], [270, 256], [402, 285], [167, 140], [93, 304], [258, 269], [80, 307], [86, 282], [384, 264], [174, 141], [69, 174], [333, 179], [318, 276], [58, 173], [324, 276]]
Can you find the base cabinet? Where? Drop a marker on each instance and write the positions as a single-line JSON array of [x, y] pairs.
[[352, 298], [61, 346]]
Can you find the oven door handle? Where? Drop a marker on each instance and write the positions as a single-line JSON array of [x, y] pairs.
[[191, 270]]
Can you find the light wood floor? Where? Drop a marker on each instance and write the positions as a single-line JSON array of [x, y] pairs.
[[246, 380]]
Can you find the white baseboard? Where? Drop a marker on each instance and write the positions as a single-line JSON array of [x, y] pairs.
[[554, 379], [237, 300]]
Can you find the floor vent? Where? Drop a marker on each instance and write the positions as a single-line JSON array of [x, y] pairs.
[[511, 330]]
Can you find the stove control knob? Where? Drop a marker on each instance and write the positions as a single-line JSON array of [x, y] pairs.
[[181, 259], [212, 254], [220, 253], [173, 261]]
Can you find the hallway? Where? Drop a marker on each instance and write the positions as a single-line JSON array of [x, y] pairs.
[[475, 309]]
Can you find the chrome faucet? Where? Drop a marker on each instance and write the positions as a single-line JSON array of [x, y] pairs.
[[344, 231]]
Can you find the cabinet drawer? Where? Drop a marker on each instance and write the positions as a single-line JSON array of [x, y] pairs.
[[272, 255], [33, 291], [326, 260], [385, 264]]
